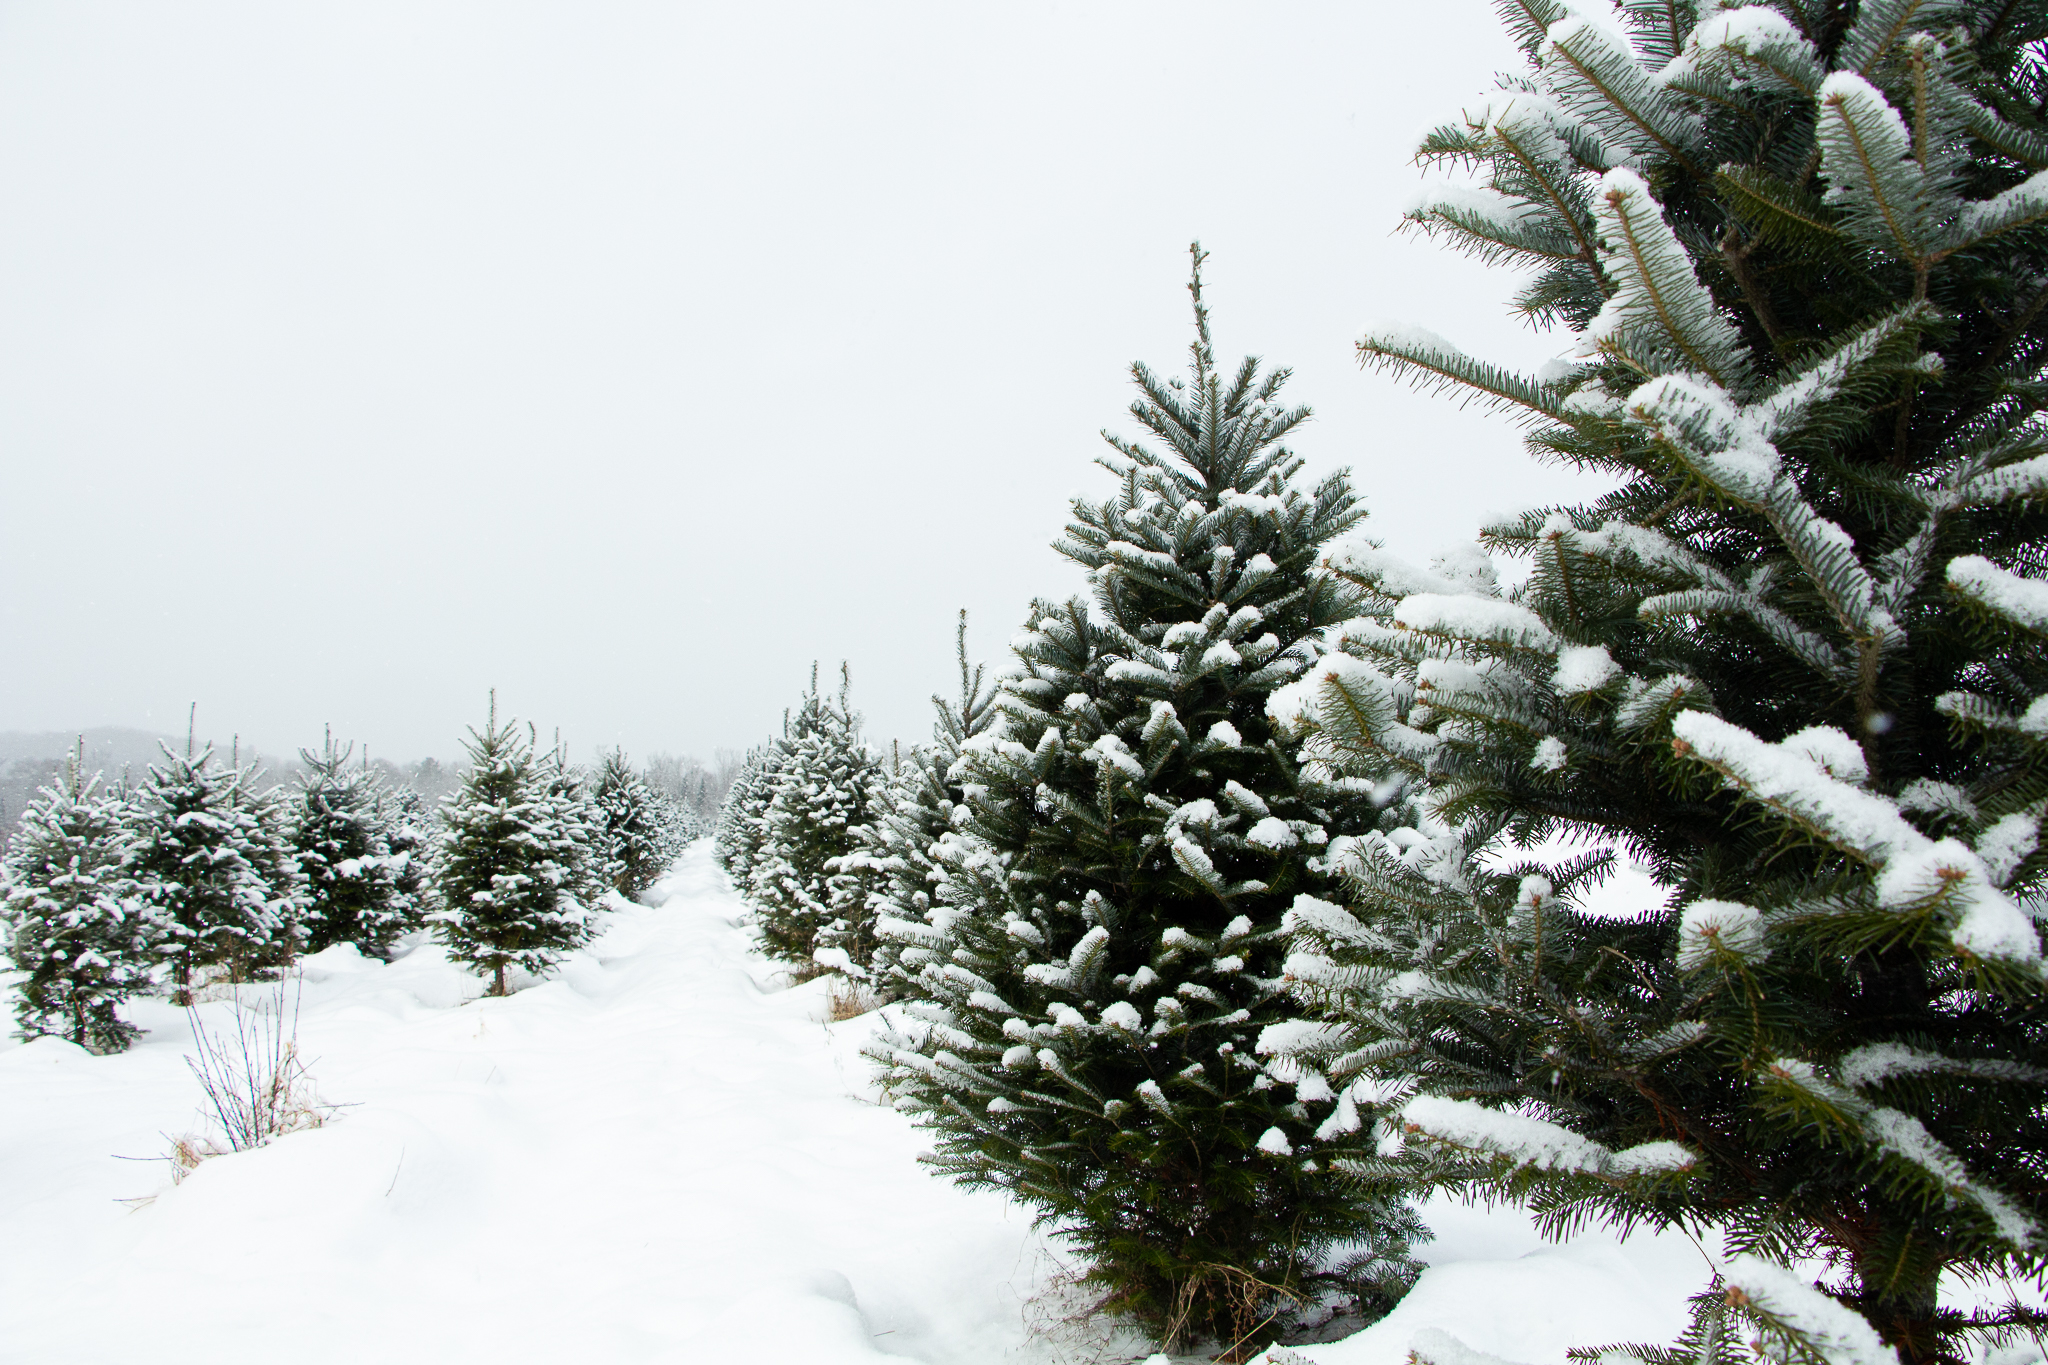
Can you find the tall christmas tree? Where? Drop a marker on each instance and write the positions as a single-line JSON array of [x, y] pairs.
[[75, 928], [1794, 664], [1083, 1036], [820, 793], [357, 887], [505, 884], [210, 861]]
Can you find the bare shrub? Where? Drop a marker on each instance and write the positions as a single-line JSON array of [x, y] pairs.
[[255, 1084]]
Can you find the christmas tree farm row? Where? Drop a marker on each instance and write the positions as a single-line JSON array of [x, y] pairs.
[[197, 873], [1232, 918]]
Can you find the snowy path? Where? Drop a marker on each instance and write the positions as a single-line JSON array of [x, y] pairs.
[[656, 1156]]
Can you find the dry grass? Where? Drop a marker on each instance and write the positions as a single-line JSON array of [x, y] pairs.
[[846, 1000]]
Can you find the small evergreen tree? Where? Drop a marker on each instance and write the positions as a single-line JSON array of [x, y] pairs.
[[1083, 1029], [575, 831], [408, 833], [634, 847], [504, 869], [916, 810], [820, 792], [76, 930], [357, 885], [211, 864], [1795, 664]]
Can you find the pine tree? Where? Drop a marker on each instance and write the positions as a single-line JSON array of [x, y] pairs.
[[1794, 665], [916, 810], [504, 870], [1084, 1032], [634, 848], [75, 927], [358, 889], [740, 831], [211, 863], [575, 833], [819, 794], [409, 835]]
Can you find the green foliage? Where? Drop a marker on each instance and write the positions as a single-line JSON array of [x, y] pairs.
[[211, 862], [821, 791], [75, 929], [738, 836], [632, 847], [921, 804], [512, 867], [360, 889], [1787, 665], [1086, 993]]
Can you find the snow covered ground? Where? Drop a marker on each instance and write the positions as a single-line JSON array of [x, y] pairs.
[[658, 1155]]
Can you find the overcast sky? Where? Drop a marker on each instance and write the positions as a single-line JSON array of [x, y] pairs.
[[358, 358]]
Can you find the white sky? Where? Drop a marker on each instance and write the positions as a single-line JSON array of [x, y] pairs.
[[356, 359]]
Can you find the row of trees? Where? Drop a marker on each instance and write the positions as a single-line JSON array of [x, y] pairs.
[[199, 870], [1227, 927]]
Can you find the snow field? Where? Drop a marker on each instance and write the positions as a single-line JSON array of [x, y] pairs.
[[655, 1156], [650, 1157]]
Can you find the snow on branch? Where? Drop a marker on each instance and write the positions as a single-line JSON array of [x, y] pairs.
[[1467, 616], [1827, 1330], [1656, 291], [1866, 155], [1752, 43], [1432, 363], [1914, 873], [2022, 601], [1598, 79], [1529, 1142]]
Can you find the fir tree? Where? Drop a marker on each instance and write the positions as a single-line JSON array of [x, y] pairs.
[[1083, 1030], [504, 870], [917, 809], [1791, 664], [358, 889], [819, 794], [740, 831], [408, 834], [76, 930], [210, 862], [634, 849], [575, 832]]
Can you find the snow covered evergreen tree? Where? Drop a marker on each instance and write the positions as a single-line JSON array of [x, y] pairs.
[[357, 887], [75, 929], [408, 833], [505, 871], [212, 865], [740, 831], [575, 829], [633, 847], [917, 809], [1082, 1033], [1794, 664], [820, 792], [677, 826]]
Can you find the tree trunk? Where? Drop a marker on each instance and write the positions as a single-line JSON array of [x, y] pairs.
[[498, 982]]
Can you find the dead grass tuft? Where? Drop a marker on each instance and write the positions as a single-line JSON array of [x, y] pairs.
[[846, 999]]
